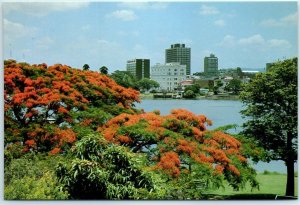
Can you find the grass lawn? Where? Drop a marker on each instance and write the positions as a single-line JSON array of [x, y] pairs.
[[270, 186]]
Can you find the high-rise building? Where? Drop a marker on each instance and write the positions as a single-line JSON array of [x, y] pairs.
[[211, 64], [168, 75], [140, 68], [180, 54]]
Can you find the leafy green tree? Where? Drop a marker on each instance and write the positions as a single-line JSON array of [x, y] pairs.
[[101, 170], [33, 177], [219, 84], [195, 88], [103, 70], [235, 85], [189, 94], [124, 78], [271, 111], [86, 67], [35, 188], [146, 84], [239, 72]]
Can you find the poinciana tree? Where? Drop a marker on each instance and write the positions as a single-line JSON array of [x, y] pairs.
[[180, 146], [48, 108], [43, 104]]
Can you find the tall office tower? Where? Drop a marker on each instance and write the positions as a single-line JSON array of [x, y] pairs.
[[211, 64], [180, 54], [140, 68]]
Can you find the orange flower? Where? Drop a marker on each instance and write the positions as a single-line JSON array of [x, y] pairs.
[[219, 169], [170, 163], [30, 143], [54, 151], [234, 170], [124, 139], [62, 110]]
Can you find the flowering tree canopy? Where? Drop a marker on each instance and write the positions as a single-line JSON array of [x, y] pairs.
[[117, 151], [180, 142], [43, 103]]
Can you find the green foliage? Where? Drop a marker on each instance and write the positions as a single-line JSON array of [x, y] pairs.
[[239, 72], [193, 185], [195, 88], [101, 170], [86, 67], [271, 112], [266, 172], [33, 177], [32, 188], [92, 117], [189, 94], [124, 78], [13, 150], [103, 70], [146, 84], [235, 85]]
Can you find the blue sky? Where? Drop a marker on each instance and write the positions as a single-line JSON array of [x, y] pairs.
[[240, 34]]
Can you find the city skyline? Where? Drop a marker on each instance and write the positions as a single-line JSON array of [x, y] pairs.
[[241, 34]]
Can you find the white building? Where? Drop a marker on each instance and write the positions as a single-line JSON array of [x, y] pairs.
[[168, 75]]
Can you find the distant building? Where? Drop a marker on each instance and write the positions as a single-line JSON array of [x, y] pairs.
[[140, 68], [185, 83], [168, 75], [211, 65], [180, 54]]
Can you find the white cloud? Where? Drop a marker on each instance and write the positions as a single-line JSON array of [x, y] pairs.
[[124, 15], [208, 10], [41, 8], [13, 30], [220, 23], [252, 40], [279, 43], [256, 41], [144, 5], [270, 23], [228, 41], [290, 19]]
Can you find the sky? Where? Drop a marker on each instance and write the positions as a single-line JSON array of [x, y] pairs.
[[240, 34]]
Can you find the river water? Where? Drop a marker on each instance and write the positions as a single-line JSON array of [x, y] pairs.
[[221, 112]]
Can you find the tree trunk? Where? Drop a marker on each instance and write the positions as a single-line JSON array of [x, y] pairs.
[[290, 185]]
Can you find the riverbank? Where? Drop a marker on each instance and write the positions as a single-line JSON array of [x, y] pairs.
[[209, 97]]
